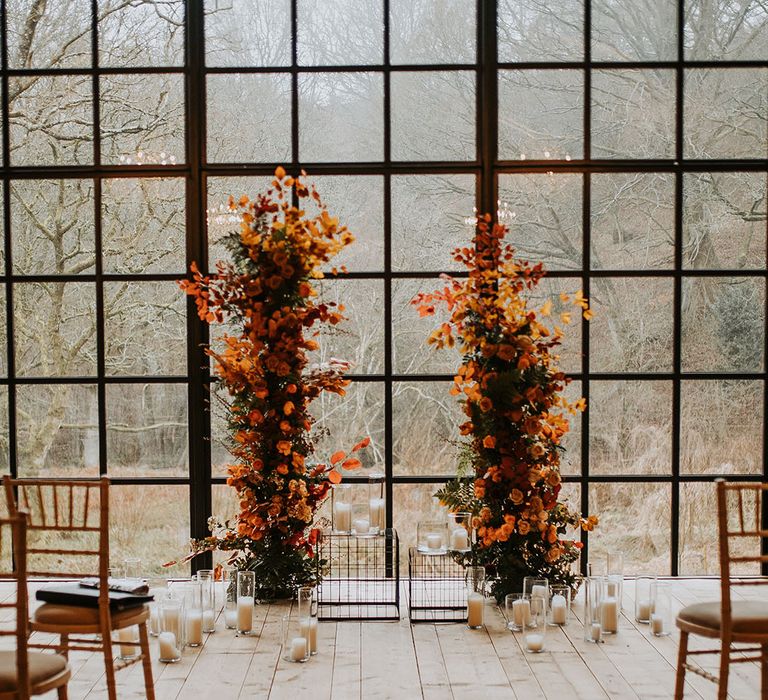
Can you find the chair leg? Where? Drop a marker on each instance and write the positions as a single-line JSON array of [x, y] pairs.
[[764, 673], [682, 656], [64, 645], [62, 692], [146, 662], [725, 665], [109, 667]]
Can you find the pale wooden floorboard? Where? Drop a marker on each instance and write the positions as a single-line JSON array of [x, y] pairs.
[[382, 660]]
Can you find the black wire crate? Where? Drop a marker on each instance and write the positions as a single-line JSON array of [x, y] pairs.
[[436, 588], [360, 577]]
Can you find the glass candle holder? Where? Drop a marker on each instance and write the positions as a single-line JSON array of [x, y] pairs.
[[341, 508], [609, 608], [474, 578], [171, 638], [661, 617], [128, 638], [534, 587], [460, 532], [132, 569], [377, 505], [246, 596], [431, 537], [361, 523], [229, 579], [193, 614], [535, 629], [518, 609], [559, 605], [308, 616], [205, 578], [644, 589], [615, 571], [295, 643], [593, 600], [158, 589]]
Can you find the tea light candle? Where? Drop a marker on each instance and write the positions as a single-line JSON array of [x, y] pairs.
[[459, 539], [657, 624], [534, 642], [245, 613], [230, 618], [609, 615], [475, 609], [377, 513], [362, 526], [342, 516], [209, 620], [434, 540], [309, 630], [644, 609], [521, 612], [298, 649], [168, 648], [127, 634], [559, 609], [596, 632], [195, 628]]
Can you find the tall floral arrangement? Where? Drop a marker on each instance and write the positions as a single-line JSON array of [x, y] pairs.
[[512, 394], [267, 292]]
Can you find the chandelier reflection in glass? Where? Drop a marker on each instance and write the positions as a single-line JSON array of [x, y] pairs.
[[504, 215]]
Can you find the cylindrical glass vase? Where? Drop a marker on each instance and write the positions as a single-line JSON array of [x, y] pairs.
[[361, 523], [229, 579], [377, 505], [193, 613], [615, 572], [593, 601], [158, 589], [246, 596], [518, 609], [295, 642], [536, 587], [171, 637], [661, 617], [308, 616], [559, 605], [341, 509], [644, 589], [460, 532], [535, 629], [474, 578], [205, 578], [431, 537]]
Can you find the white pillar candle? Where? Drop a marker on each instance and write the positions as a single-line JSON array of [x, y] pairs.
[[173, 621], [230, 618], [475, 608], [128, 634], [377, 513], [644, 609], [657, 624], [521, 612], [168, 648], [298, 649], [309, 630], [609, 615], [342, 516], [611, 589], [559, 609], [209, 620], [539, 591], [596, 632], [534, 642], [194, 627], [434, 540], [245, 613], [459, 539], [362, 526]]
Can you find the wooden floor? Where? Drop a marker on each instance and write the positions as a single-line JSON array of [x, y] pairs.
[[398, 660]]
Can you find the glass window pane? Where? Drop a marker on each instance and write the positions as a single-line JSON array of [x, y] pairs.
[[144, 328], [341, 117], [723, 324], [359, 339], [51, 120], [570, 458], [727, 32], [632, 327], [4, 433], [48, 34], [142, 119], [247, 33], [53, 229], [410, 352], [54, 329], [633, 114], [633, 218], [147, 430], [725, 111], [358, 202], [724, 220], [428, 220], [630, 427], [531, 30], [541, 114], [424, 31], [249, 118], [340, 32], [410, 504], [426, 421], [2, 223], [149, 33], [151, 523], [635, 520], [625, 30], [57, 430], [546, 217], [721, 427], [433, 115], [3, 335], [143, 225]]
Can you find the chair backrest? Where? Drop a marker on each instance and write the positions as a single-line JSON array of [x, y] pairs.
[[67, 528], [13, 555], [740, 530]]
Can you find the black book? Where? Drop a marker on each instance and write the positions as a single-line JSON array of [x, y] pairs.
[[74, 594]]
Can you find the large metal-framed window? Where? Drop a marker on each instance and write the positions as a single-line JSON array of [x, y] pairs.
[[626, 149]]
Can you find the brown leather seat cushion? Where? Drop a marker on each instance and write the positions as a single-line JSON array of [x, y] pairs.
[[74, 615], [749, 617], [42, 667]]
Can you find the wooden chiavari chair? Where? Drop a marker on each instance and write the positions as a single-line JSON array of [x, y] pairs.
[[731, 621], [69, 538], [24, 673]]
